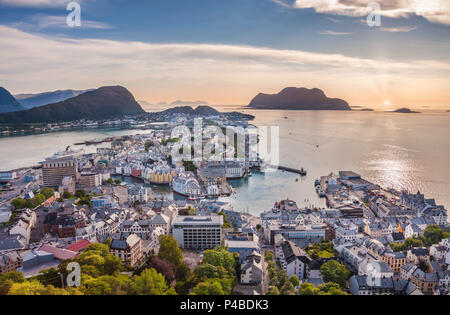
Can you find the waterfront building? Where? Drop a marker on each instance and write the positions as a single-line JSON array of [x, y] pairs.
[[53, 171], [198, 232], [186, 186], [7, 176]]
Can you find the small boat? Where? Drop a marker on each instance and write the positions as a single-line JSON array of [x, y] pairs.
[[303, 172], [317, 182]]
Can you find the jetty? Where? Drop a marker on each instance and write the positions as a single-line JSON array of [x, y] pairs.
[[301, 172]]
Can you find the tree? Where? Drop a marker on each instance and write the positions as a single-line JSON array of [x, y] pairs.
[[166, 268], [287, 289], [273, 290], [433, 234], [333, 271], [169, 250], [110, 181], [47, 192], [150, 282], [117, 182], [81, 194], [294, 280], [8, 279], [222, 259], [19, 203], [205, 271], [331, 288], [308, 289], [210, 287], [67, 195]]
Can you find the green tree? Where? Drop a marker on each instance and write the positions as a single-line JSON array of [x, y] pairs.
[[47, 192], [205, 271], [273, 290], [169, 250], [210, 287], [331, 288], [308, 289], [151, 282], [294, 280], [19, 203], [333, 271], [287, 289]]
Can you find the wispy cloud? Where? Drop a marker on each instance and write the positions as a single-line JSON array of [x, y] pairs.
[[42, 21], [400, 29], [36, 3], [333, 33], [435, 11]]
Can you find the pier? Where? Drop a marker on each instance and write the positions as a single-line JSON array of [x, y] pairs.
[[301, 171]]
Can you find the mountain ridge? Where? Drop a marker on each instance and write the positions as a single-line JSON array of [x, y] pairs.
[[8, 103], [103, 103]]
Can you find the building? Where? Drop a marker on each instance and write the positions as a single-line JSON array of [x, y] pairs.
[[427, 282], [294, 260], [67, 185], [198, 232], [90, 180], [363, 285], [186, 186], [243, 248], [7, 176], [10, 262], [54, 171], [252, 269], [129, 250]]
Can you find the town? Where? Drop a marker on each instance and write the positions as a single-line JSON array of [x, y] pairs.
[[105, 211]]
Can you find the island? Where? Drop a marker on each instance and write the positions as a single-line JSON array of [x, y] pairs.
[[292, 98], [405, 111]]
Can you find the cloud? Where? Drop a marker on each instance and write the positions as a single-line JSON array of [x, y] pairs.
[[36, 3], [435, 11], [32, 62], [42, 21], [333, 33], [400, 29]]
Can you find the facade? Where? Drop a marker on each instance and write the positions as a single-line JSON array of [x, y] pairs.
[[90, 180], [129, 250], [7, 176], [67, 185], [252, 270], [198, 232], [10, 262], [55, 170]]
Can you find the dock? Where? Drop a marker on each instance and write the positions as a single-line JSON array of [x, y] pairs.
[[301, 171]]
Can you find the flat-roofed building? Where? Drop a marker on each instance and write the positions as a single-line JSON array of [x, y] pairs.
[[54, 171], [198, 232]]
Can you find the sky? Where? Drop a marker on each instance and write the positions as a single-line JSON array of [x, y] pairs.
[[228, 51]]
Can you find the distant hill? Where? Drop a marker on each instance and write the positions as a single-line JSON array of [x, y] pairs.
[[8, 103], [188, 110], [188, 103], [41, 99], [292, 98], [405, 111], [103, 103]]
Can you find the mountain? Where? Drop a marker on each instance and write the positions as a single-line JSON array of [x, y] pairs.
[[405, 111], [188, 110], [41, 99], [103, 103], [292, 98], [8, 103]]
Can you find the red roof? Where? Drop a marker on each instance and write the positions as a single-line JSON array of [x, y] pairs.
[[78, 246], [58, 253]]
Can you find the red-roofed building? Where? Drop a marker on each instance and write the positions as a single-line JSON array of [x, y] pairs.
[[78, 246], [59, 253], [49, 201]]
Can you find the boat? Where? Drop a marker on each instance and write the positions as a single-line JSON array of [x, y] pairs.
[[303, 172], [317, 182]]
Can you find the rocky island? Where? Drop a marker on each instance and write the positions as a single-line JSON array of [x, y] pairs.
[[292, 98]]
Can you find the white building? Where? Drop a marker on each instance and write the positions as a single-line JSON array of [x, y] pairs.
[[198, 232]]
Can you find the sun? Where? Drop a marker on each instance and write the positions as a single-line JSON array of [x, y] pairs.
[[387, 102]]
